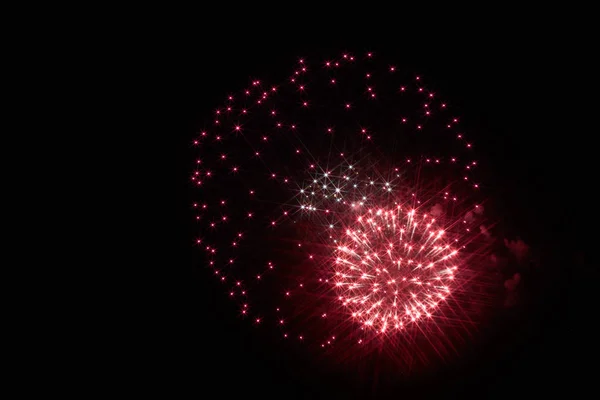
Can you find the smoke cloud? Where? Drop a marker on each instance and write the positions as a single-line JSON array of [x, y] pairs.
[[511, 285], [485, 232], [436, 210], [469, 217], [518, 248]]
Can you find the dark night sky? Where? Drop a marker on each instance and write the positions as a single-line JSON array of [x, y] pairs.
[[505, 88]]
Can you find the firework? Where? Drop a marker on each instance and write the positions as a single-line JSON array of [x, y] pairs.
[[341, 205], [393, 267]]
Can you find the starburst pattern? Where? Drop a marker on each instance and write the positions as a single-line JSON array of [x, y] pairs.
[[394, 267], [341, 202]]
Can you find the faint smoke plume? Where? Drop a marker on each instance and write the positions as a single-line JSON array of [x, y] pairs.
[[469, 217], [518, 248], [436, 210], [485, 232], [511, 285]]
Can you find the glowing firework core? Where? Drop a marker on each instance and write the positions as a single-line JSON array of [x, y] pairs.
[[393, 267]]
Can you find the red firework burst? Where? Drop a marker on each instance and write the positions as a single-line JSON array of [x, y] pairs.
[[341, 206], [393, 268]]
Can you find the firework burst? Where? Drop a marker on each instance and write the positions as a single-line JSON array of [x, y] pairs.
[[341, 206], [394, 267]]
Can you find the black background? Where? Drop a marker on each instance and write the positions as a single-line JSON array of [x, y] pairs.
[[514, 89]]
